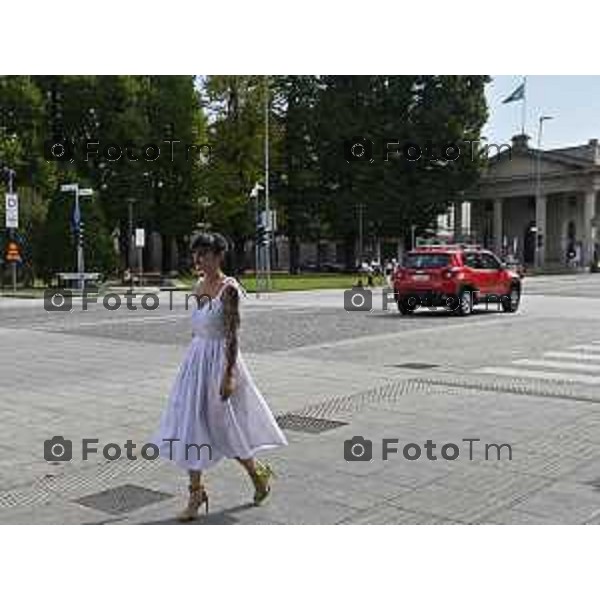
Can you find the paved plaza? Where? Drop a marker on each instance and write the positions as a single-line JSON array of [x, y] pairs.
[[529, 380]]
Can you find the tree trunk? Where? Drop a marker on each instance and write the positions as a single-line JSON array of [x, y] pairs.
[[294, 246]]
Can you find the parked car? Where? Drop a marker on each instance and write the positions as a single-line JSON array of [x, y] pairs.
[[456, 277]]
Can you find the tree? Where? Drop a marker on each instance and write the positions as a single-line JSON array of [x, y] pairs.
[[299, 173], [235, 111], [396, 193]]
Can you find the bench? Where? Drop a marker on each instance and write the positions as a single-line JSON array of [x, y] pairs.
[[77, 277], [135, 277]]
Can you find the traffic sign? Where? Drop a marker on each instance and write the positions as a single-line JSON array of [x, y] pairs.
[[140, 238], [12, 211], [13, 252]]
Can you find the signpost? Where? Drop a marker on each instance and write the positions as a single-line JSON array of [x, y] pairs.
[[12, 221], [74, 187], [12, 211]]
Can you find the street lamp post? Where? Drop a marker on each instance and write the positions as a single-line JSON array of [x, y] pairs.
[[130, 202], [257, 249], [267, 204], [540, 227], [361, 208]]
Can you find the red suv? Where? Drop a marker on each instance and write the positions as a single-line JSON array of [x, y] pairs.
[[456, 277]]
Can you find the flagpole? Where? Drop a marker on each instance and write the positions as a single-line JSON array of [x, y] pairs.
[[524, 106]]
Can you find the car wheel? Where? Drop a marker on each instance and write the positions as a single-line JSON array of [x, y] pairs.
[[465, 303], [405, 307], [511, 303]]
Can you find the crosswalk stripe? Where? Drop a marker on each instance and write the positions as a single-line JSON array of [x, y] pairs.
[[586, 347], [573, 355], [532, 374], [558, 365]]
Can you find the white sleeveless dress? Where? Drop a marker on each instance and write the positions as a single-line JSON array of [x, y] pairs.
[[196, 414]]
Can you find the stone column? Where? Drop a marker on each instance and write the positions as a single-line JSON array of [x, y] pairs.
[[589, 230], [540, 223], [497, 226]]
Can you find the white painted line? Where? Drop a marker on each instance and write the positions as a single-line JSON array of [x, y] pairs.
[[529, 374], [586, 347], [558, 365], [573, 355]]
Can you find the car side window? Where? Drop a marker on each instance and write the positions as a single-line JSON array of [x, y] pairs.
[[472, 260], [489, 262]]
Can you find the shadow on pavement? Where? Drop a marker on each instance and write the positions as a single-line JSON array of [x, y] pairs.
[[424, 313], [224, 517]]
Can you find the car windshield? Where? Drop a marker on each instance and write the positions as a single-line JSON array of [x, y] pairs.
[[426, 261]]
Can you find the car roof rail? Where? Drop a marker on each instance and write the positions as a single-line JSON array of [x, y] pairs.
[[448, 247]]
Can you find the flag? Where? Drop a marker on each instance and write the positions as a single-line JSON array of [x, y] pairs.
[[518, 94]]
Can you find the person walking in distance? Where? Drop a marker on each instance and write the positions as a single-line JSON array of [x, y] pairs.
[[215, 409]]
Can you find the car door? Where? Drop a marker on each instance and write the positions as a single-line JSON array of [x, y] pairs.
[[476, 276], [492, 273]]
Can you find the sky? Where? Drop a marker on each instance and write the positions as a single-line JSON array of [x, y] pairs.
[[572, 100]]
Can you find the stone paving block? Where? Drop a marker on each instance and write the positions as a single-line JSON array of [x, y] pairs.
[[564, 502], [459, 505], [386, 514], [63, 513], [516, 517]]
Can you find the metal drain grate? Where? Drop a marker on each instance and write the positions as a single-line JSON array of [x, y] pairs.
[[415, 365], [122, 499], [307, 424]]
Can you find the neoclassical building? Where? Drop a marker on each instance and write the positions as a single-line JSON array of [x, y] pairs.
[[537, 218]]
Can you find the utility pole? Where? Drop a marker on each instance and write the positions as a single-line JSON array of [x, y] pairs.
[[360, 231], [130, 245], [540, 227], [259, 249], [267, 252]]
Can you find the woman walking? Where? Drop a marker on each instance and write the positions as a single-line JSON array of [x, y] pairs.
[[215, 410]]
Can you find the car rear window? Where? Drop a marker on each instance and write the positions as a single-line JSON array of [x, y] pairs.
[[426, 261]]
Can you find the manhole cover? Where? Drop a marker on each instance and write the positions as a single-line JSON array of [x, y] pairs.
[[307, 424], [415, 365], [122, 499]]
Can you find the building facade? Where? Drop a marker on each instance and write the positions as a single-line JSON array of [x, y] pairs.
[[540, 206]]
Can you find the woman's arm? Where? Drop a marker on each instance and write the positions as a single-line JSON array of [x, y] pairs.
[[232, 323]]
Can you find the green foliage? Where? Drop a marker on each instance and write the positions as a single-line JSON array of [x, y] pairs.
[[58, 235], [315, 190]]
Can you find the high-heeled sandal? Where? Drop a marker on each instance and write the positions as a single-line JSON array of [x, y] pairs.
[[198, 497], [263, 475]]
